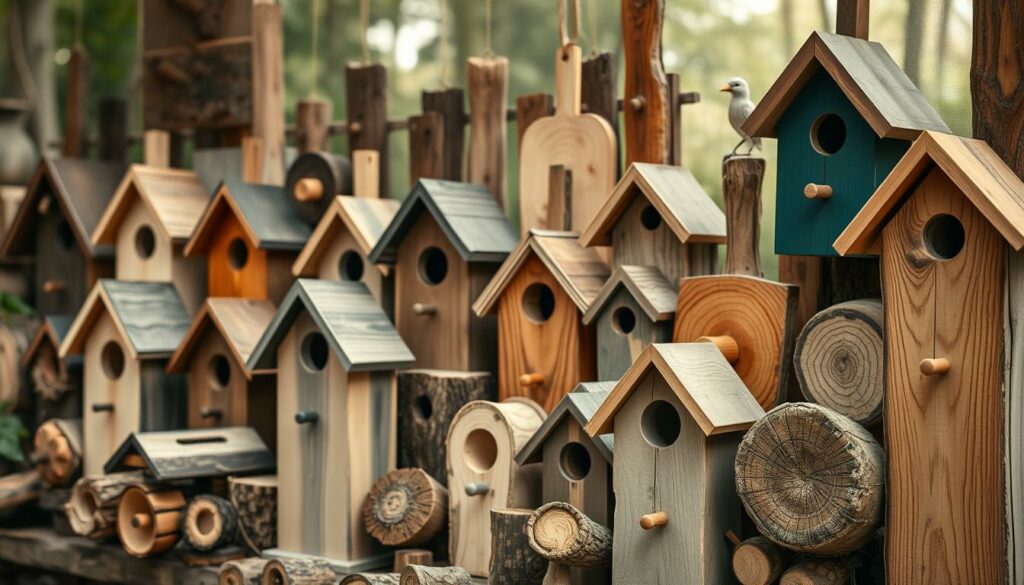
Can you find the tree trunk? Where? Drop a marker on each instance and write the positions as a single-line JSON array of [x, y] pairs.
[[758, 561], [255, 501], [818, 572], [742, 178], [371, 579], [58, 451], [242, 572], [307, 571], [811, 479], [997, 79], [210, 523], [92, 509], [420, 575], [513, 562], [411, 556], [406, 507], [561, 533]]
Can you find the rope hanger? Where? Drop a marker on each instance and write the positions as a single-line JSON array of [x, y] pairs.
[[563, 22]]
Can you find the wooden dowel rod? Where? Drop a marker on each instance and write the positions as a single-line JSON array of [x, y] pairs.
[[934, 366], [531, 379], [725, 344], [649, 521]]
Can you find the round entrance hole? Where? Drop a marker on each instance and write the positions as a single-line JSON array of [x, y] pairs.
[[433, 266], [350, 266], [206, 522], [828, 134], [944, 237], [423, 407], [660, 424], [480, 450], [574, 461], [623, 320], [238, 254], [112, 360], [314, 352], [538, 302], [650, 218], [145, 241], [220, 372]]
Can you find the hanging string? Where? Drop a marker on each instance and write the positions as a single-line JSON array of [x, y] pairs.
[[79, 24], [444, 44], [364, 25], [593, 26], [563, 22], [314, 49], [487, 29]]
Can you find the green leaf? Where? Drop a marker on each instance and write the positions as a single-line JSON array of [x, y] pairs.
[[12, 305], [12, 431]]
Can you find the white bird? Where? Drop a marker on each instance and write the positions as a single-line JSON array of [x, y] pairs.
[[740, 107]]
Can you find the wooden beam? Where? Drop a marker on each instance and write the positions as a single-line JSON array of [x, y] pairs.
[[366, 91], [156, 148], [312, 120], [76, 123], [852, 18], [487, 78], [268, 87], [646, 95], [450, 103], [426, 147]]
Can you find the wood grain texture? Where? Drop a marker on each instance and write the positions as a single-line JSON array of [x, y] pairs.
[[268, 88], [487, 79], [426, 146], [562, 534], [363, 219], [366, 99], [194, 453], [264, 212], [421, 575], [742, 178], [647, 126], [406, 507], [995, 70], [175, 197], [312, 119], [242, 572], [529, 109], [450, 103], [853, 18], [210, 522], [513, 562], [76, 104], [238, 322], [255, 500], [599, 94], [758, 561], [1014, 416], [92, 506]]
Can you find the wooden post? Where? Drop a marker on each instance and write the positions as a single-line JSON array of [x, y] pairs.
[[742, 178], [76, 123], [366, 94], [312, 119], [530, 108], [156, 148], [252, 159], [600, 89], [513, 562], [646, 96], [487, 79], [268, 87], [450, 103], [426, 147], [852, 18], [113, 129], [366, 174]]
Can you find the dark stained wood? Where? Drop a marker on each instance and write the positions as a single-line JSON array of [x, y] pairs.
[[450, 103], [600, 84], [426, 146], [113, 116], [852, 18], [742, 178], [997, 59], [171, 23], [366, 96], [530, 108], [513, 562], [194, 453], [560, 198], [487, 78], [76, 121], [646, 95], [332, 171]]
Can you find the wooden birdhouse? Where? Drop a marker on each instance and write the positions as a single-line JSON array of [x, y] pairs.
[[222, 391], [660, 216], [576, 468], [540, 294], [54, 223], [57, 383], [192, 454], [341, 243], [149, 221], [634, 309], [336, 353], [250, 236], [678, 416], [125, 333], [948, 224], [446, 242], [844, 113]]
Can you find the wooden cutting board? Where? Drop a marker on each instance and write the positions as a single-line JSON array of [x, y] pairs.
[[582, 143]]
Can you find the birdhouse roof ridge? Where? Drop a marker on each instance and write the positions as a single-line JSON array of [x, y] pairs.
[[581, 404], [195, 453], [268, 218], [364, 218], [52, 329], [240, 322], [648, 287]]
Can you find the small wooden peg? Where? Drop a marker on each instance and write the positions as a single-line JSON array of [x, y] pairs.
[[732, 537], [649, 521], [815, 191], [725, 344], [477, 488], [637, 103], [208, 412], [423, 309], [355, 128], [141, 520], [308, 189], [532, 379], [53, 286], [934, 366], [306, 417]]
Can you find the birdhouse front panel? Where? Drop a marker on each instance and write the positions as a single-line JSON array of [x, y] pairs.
[[942, 273], [643, 238], [63, 273], [343, 259], [623, 330], [545, 350], [824, 141], [236, 267], [111, 394]]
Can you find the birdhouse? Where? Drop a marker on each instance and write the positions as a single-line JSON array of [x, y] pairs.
[[948, 224], [249, 235], [576, 468], [843, 112], [540, 294], [483, 475], [125, 333], [678, 416], [62, 206], [222, 391], [446, 242], [192, 454], [149, 221], [634, 309], [57, 383], [336, 353], [341, 243], [659, 215]]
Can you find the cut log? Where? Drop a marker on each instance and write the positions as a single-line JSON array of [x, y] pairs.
[[255, 501], [759, 561], [411, 556], [92, 509], [243, 572], [420, 575], [210, 523], [839, 360], [811, 479], [561, 533], [19, 488], [58, 451], [818, 572], [314, 179], [513, 562], [298, 572], [372, 579], [406, 507], [149, 519], [742, 178]]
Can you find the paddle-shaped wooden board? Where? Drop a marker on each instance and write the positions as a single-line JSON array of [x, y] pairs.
[[583, 143]]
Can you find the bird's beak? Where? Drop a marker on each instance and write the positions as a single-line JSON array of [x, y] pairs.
[[726, 88]]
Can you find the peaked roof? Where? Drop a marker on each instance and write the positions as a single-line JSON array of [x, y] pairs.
[[266, 215], [683, 204], [581, 404], [466, 213], [81, 187], [355, 326], [240, 322], [149, 316], [701, 378], [974, 168], [51, 330], [363, 217], [174, 196], [190, 454], [580, 271], [875, 85], [646, 284]]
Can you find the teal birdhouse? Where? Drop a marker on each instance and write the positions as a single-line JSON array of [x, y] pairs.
[[844, 113]]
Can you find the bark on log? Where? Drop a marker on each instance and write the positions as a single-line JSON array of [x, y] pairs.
[[149, 519], [255, 501], [210, 523], [839, 360], [298, 572], [811, 479], [19, 488], [58, 451], [742, 178], [92, 509], [513, 561], [406, 507], [371, 579], [312, 119], [243, 572], [561, 533], [818, 572], [758, 561], [411, 556], [420, 575]]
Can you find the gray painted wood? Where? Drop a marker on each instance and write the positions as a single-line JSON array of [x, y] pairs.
[[382, 385], [311, 390], [270, 214], [579, 405], [163, 397], [151, 314], [646, 285], [196, 453], [213, 165], [617, 349]]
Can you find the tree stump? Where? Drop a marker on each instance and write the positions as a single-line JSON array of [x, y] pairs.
[[818, 572], [406, 507], [255, 502], [58, 451], [420, 575], [210, 523], [411, 556], [149, 519], [811, 479], [839, 360], [742, 177], [427, 402], [242, 572], [758, 561], [371, 579], [513, 562], [92, 508], [307, 571]]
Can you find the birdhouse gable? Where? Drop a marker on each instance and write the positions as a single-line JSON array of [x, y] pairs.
[[644, 284], [50, 334], [867, 75], [193, 454], [700, 377], [971, 165], [364, 219], [149, 317], [355, 327], [580, 271], [467, 214], [580, 405], [239, 322], [267, 218]]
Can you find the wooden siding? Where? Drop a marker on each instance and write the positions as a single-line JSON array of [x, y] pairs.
[[103, 432], [225, 280], [381, 287], [635, 244], [616, 350]]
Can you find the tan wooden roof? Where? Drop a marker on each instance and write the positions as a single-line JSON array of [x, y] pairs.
[[364, 218], [176, 198], [646, 284], [241, 322]]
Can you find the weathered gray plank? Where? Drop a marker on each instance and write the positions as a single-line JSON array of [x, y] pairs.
[[151, 314], [196, 453]]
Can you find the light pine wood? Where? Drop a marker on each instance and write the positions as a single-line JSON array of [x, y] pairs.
[[562, 534], [268, 88], [742, 178], [646, 110], [758, 561], [406, 507], [255, 500], [149, 519], [583, 143], [487, 80], [103, 431], [156, 148], [1014, 415], [513, 562], [312, 121], [252, 159], [210, 523], [366, 174]]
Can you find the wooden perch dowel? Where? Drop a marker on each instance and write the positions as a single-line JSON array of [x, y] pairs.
[[821, 496], [513, 561], [653, 520], [424, 310], [934, 366], [420, 575], [562, 534], [54, 286], [477, 488], [726, 344], [149, 519], [742, 178], [308, 189], [243, 571], [818, 572], [92, 507], [532, 379], [210, 523], [411, 556], [305, 571], [815, 191], [58, 451], [255, 502], [406, 507], [758, 561]]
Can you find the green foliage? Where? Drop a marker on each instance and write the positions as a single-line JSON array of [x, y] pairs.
[[12, 432], [11, 306]]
